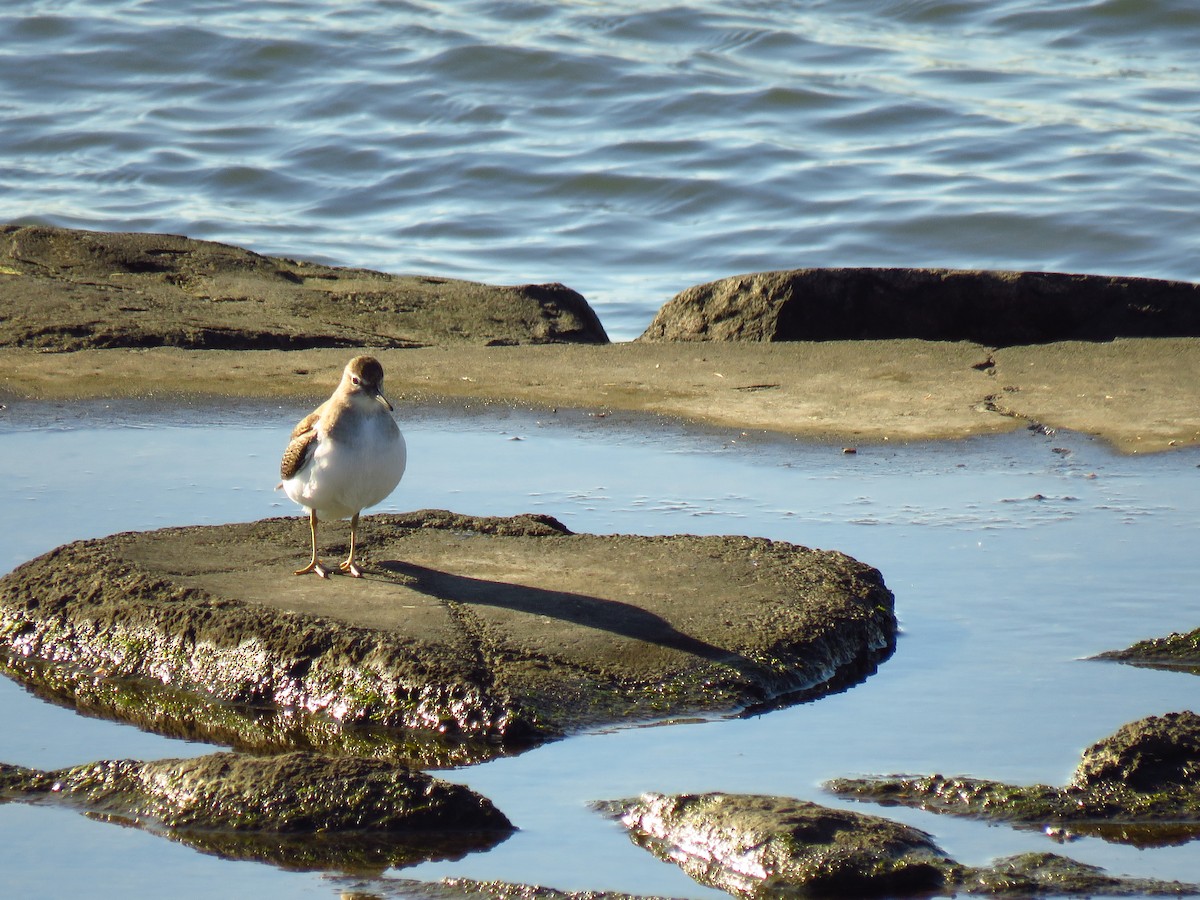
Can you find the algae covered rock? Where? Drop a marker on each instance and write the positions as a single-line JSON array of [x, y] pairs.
[[756, 846], [69, 290], [768, 847], [1048, 874], [488, 633], [298, 810], [1179, 652], [1159, 753], [1139, 786]]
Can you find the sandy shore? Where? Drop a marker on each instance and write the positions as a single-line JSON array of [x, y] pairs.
[[1140, 395]]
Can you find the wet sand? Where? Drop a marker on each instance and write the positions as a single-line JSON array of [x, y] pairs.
[[1138, 394]]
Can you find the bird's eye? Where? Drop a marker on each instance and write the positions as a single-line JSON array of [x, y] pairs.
[[355, 379]]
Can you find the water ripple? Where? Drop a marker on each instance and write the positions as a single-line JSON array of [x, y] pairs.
[[628, 151]]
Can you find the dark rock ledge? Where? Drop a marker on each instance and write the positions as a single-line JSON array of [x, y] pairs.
[[468, 637], [62, 290], [1138, 786], [768, 847], [297, 810], [994, 308]]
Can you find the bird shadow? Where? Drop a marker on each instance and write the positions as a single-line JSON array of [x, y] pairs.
[[613, 616]]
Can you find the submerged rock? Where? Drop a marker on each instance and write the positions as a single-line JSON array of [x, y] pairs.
[[1139, 786], [67, 290], [1180, 652], [297, 810], [993, 308], [483, 633], [768, 847]]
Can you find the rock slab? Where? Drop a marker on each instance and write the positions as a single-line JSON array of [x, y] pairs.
[[484, 633], [993, 308], [66, 290]]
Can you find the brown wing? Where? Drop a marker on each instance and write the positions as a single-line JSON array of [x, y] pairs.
[[301, 446]]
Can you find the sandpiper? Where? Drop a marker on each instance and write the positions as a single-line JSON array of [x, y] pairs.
[[344, 456]]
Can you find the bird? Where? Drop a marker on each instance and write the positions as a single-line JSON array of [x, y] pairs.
[[345, 456]]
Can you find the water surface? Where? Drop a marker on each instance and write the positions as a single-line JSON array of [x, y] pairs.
[[627, 149], [1012, 559]]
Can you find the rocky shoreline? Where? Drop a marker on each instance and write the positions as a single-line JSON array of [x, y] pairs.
[[515, 631], [163, 317]]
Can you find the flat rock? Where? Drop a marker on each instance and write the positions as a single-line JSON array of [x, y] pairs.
[[63, 290], [769, 847], [297, 810], [994, 308], [1138, 786], [485, 633]]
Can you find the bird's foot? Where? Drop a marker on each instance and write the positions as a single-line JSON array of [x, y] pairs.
[[351, 569], [313, 566]]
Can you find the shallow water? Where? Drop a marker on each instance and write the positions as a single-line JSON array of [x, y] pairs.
[[1012, 559], [627, 149]]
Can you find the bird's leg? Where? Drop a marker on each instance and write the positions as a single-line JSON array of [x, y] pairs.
[[348, 566], [314, 564]]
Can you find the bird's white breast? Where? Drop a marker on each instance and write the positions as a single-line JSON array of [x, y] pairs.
[[351, 469]]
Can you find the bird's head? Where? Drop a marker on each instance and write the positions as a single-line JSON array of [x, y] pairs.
[[363, 376]]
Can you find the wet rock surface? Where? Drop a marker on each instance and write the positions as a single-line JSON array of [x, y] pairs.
[[759, 847], [1052, 875], [297, 810], [753, 845], [1139, 786], [1180, 652], [66, 290], [997, 309], [486, 634]]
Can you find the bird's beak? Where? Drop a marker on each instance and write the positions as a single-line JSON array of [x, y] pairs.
[[384, 400]]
